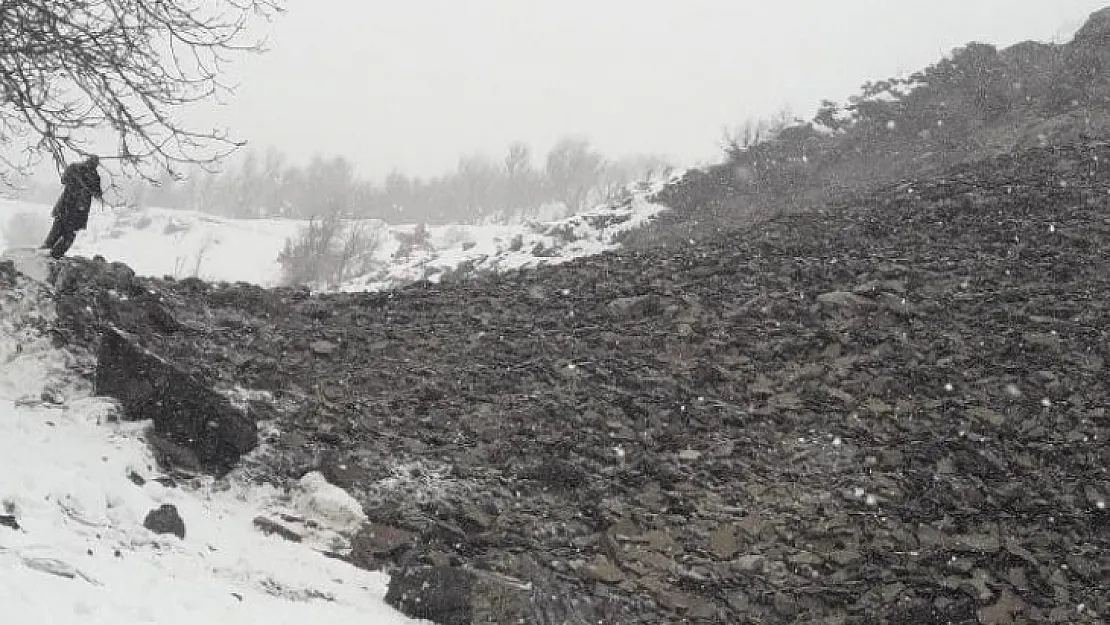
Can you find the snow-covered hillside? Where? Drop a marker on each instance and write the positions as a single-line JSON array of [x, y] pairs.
[[77, 485], [158, 242]]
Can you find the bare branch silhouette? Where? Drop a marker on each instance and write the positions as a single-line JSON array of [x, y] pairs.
[[72, 68]]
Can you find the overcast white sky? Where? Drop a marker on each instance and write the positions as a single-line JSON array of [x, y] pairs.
[[414, 84]]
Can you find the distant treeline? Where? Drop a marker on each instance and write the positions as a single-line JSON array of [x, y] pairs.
[[571, 177]]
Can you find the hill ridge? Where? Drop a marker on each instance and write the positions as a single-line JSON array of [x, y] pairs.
[[975, 103]]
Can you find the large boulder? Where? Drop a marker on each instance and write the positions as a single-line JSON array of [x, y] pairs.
[[184, 411], [456, 596], [165, 520], [450, 595]]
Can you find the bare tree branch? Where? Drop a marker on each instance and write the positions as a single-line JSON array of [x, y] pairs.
[[72, 68]]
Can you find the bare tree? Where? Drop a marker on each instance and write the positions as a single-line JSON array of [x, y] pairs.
[[359, 241], [518, 161], [70, 69], [478, 179], [574, 170], [205, 247], [273, 179], [306, 259], [329, 251]]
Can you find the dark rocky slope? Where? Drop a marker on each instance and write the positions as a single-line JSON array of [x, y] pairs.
[[977, 102], [890, 410]]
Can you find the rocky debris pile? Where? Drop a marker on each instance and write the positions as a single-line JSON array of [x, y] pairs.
[[196, 427], [1026, 95], [888, 410]]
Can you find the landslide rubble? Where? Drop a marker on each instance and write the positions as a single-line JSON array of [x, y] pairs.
[[892, 409]]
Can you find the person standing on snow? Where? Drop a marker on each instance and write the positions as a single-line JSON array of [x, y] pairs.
[[81, 183]]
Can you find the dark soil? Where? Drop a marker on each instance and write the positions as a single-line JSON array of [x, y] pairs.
[[892, 410]]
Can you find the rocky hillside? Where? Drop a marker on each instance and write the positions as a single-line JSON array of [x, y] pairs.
[[888, 410], [977, 102]]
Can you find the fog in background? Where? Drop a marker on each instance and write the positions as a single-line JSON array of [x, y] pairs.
[[440, 111], [413, 85]]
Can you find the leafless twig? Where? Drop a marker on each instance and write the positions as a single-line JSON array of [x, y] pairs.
[[70, 68]]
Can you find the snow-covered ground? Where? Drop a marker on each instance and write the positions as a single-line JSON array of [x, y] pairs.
[[158, 242], [78, 484]]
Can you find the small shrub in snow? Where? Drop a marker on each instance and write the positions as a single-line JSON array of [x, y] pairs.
[[419, 240], [174, 226], [329, 251]]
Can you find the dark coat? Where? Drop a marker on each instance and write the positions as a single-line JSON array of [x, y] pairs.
[[81, 184]]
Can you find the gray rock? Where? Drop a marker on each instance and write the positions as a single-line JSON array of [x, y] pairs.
[[323, 348], [347, 470], [978, 543], [559, 474], [271, 527], [165, 520], [634, 307], [162, 318], [603, 570], [456, 596], [376, 544], [723, 543], [751, 563], [439, 594], [183, 410], [843, 299]]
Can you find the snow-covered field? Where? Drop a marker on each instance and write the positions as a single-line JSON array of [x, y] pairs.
[[158, 242], [77, 484]]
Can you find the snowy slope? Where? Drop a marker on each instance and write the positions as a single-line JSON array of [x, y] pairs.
[[158, 242], [78, 484], [474, 249]]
